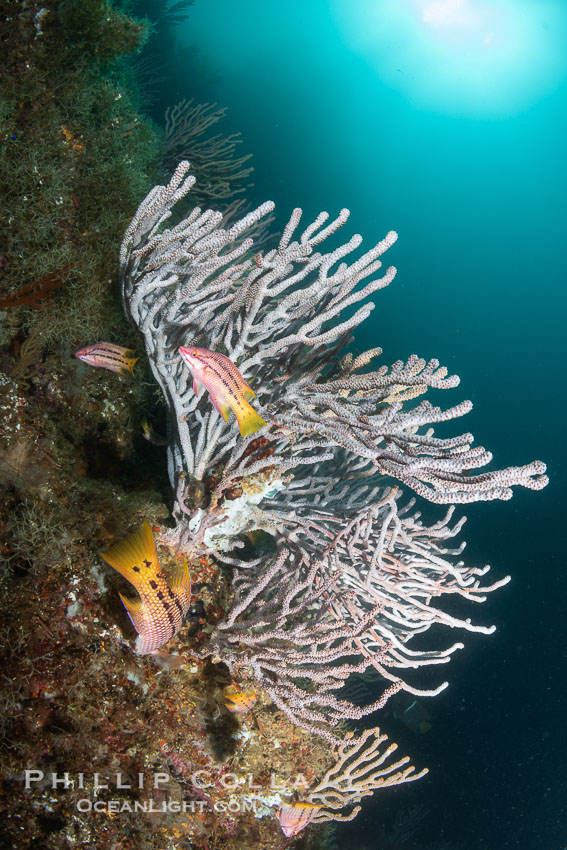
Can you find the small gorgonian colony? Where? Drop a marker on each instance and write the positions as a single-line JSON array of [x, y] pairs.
[[354, 573]]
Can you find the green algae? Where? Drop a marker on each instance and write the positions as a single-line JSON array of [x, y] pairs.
[[76, 154]]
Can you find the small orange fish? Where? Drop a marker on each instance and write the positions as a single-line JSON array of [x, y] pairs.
[[240, 702], [294, 817], [106, 355], [227, 388], [158, 614]]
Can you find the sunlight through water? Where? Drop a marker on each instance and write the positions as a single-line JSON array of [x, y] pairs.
[[461, 57]]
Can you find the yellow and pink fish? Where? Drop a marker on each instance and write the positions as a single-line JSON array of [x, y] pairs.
[[107, 355], [158, 614], [226, 387], [294, 817], [239, 702]]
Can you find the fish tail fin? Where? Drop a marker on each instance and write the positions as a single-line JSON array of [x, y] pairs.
[[135, 557], [248, 420], [129, 365]]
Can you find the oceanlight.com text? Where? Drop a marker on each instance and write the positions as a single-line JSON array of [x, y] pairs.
[[164, 807]]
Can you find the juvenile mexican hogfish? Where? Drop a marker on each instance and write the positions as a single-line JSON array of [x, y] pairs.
[[158, 614], [227, 388], [107, 355]]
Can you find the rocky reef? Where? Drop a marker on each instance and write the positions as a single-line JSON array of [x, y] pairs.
[[76, 474]]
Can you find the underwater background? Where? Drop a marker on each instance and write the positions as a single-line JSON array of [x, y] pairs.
[[445, 121], [459, 146]]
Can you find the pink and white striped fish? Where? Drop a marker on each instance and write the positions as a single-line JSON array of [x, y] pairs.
[[227, 388], [294, 817], [107, 355]]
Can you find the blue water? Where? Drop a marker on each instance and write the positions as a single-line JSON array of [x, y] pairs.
[[448, 123]]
